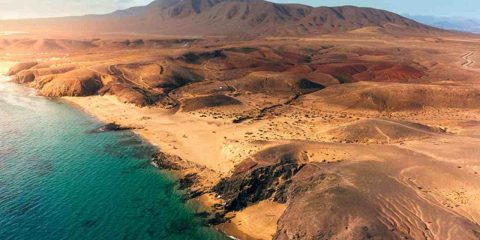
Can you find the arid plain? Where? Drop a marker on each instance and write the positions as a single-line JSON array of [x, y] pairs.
[[359, 134]]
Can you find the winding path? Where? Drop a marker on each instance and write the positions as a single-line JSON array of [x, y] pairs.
[[114, 71], [468, 62]]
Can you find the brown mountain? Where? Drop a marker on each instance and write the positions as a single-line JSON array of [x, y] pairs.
[[226, 18]]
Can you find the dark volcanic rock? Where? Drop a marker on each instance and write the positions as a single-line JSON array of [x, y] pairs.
[[187, 181], [217, 218], [110, 127], [256, 185], [167, 162], [195, 58], [241, 119], [268, 176], [308, 86]]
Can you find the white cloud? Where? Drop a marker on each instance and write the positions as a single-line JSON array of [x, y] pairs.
[[55, 8]]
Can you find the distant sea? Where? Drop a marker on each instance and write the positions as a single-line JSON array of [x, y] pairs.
[[57, 181]]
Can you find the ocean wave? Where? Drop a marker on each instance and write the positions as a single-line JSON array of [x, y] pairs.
[[14, 95], [8, 33], [4, 78]]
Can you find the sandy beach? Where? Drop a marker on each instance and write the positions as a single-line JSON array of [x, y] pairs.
[[216, 144]]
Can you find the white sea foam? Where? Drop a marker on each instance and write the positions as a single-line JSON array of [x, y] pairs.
[[18, 96], [6, 33], [4, 78], [154, 164]]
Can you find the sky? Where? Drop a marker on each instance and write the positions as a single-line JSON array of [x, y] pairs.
[[52, 8]]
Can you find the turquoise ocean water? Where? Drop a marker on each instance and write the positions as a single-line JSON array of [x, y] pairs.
[[59, 182]]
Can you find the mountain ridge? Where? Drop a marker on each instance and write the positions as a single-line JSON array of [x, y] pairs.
[[227, 18]]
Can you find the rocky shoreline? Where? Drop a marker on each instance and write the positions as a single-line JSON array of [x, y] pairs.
[[191, 182], [248, 185], [269, 175]]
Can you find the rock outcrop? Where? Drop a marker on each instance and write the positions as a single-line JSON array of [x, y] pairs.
[[267, 175], [24, 77], [20, 67], [80, 82], [343, 199], [110, 127]]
